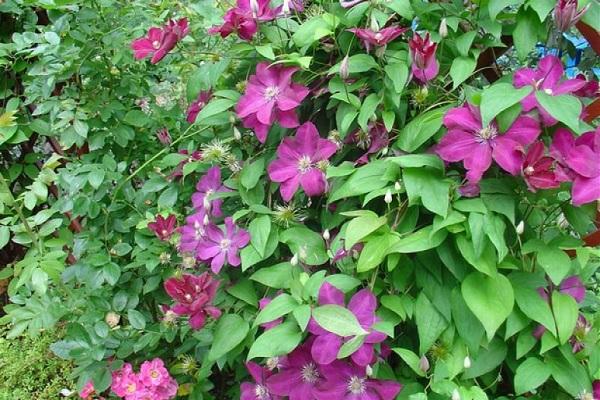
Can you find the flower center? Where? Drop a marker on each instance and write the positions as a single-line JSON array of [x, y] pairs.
[[271, 93], [378, 36], [356, 385], [156, 44], [154, 374], [188, 297], [272, 363], [164, 232], [529, 170], [548, 91], [310, 373], [224, 244], [131, 388], [487, 133], [261, 392], [304, 164]]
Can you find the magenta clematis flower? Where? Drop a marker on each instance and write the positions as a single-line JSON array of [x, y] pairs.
[[197, 105], [424, 66], [194, 295], [347, 381], [596, 389], [219, 246], [565, 14], [163, 227], [590, 89], [372, 141], [257, 390], [582, 328], [343, 253], [537, 168], [193, 232], [178, 171], [299, 377], [159, 42], [271, 324], [547, 78], [243, 19], [327, 345], [208, 185], [579, 161], [475, 145], [271, 96], [87, 391], [469, 189], [370, 38], [300, 162], [164, 136]]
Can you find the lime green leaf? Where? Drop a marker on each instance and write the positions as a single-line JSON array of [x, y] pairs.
[[338, 320]]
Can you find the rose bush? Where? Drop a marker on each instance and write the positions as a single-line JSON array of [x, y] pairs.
[[321, 200]]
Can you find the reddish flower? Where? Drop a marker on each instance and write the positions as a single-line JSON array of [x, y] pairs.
[[159, 42], [219, 246], [300, 162], [379, 38], [590, 89], [271, 96], [163, 136], [374, 140], [197, 105], [243, 19], [125, 381], [422, 52], [566, 15], [194, 295], [537, 168], [153, 373], [163, 227], [258, 389]]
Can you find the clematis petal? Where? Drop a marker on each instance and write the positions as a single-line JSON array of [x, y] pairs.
[[462, 118], [289, 188], [363, 305], [585, 190], [584, 161], [573, 286], [549, 70], [325, 348], [508, 154], [569, 86], [524, 77], [478, 162], [524, 130], [287, 119], [456, 145], [364, 355], [329, 294], [313, 182]]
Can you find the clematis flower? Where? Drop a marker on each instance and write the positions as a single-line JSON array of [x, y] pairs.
[[153, 373], [257, 390], [159, 42], [271, 324], [327, 345], [271, 96], [178, 171], [547, 77], [582, 328], [164, 136], [299, 377], [194, 295], [208, 185], [590, 89], [424, 66], [565, 14], [469, 189], [288, 6], [219, 246], [537, 168], [163, 227], [476, 145], [243, 19], [370, 38], [375, 139], [87, 391], [197, 105], [596, 389], [346, 381], [343, 253], [193, 232], [579, 161], [300, 162]]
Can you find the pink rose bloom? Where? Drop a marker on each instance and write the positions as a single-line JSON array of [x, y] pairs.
[[194, 295], [219, 246], [153, 373], [197, 105], [271, 96], [159, 42], [300, 162], [370, 38], [125, 382], [243, 19], [422, 52], [538, 169], [547, 77], [475, 145], [87, 391]]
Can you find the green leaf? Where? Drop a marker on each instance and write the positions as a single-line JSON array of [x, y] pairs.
[[525, 33], [310, 31], [266, 51], [486, 263], [136, 118], [565, 108], [244, 290], [420, 129], [398, 74], [260, 229], [374, 252], [168, 198], [461, 69], [356, 64], [566, 312], [541, 7], [136, 319], [278, 307], [276, 341], [490, 298], [4, 236], [468, 326], [464, 42], [568, 372], [338, 320], [278, 276], [418, 241], [430, 323], [307, 244], [531, 374], [302, 315], [350, 346], [498, 98], [360, 227], [530, 302], [418, 161], [555, 262], [251, 173], [367, 110], [214, 107], [496, 6], [411, 359], [487, 359], [230, 331], [401, 7], [428, 185], [364, 180]]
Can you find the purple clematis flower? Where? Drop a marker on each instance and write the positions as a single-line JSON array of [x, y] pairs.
[[288, 6], [194, 295], [547, 78], [271, 96], [326, 346], [243, 19], [346, 381], [258, 389], [596, 389], [219, 246], [208, 185], [475, 145], [197, 105], [159, 42], [299, 377], [537, 168], [582, 328], [193, 232], [163, 227], [380, 38], [372, 141], [579, 161], [422, 52], [565, 14], [301, 161], [590, 89]]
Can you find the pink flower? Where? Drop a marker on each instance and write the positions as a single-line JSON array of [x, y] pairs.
[[197, 105], [244, 19], [153, 373], [565, 14], [347, 381], [257, 390], [159, 42], [193, 232], [163, 227], [299, 377], [87, 391], [596, 389], [300, 162], [271, 96], [422, 52], [372, 141], [194, 295], [288, 6], [208, 185], [379, 38], [468, 141], [579, 161], [546, 78], [271, 324], [327, 345], [590, 89], [537, 168], [219, 246], [124, 381], [163, 136]]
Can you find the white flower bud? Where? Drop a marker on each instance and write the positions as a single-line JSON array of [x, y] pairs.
[[285, 8], [424, 364], [520, 228], [326, 234], [384, 151], [443, 31], [369, 371], [206, 203], [374, 24], [455, 395], [467, 362], [388, 196], [294, 260], [397, 185], [237, 135], [344, 71]]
